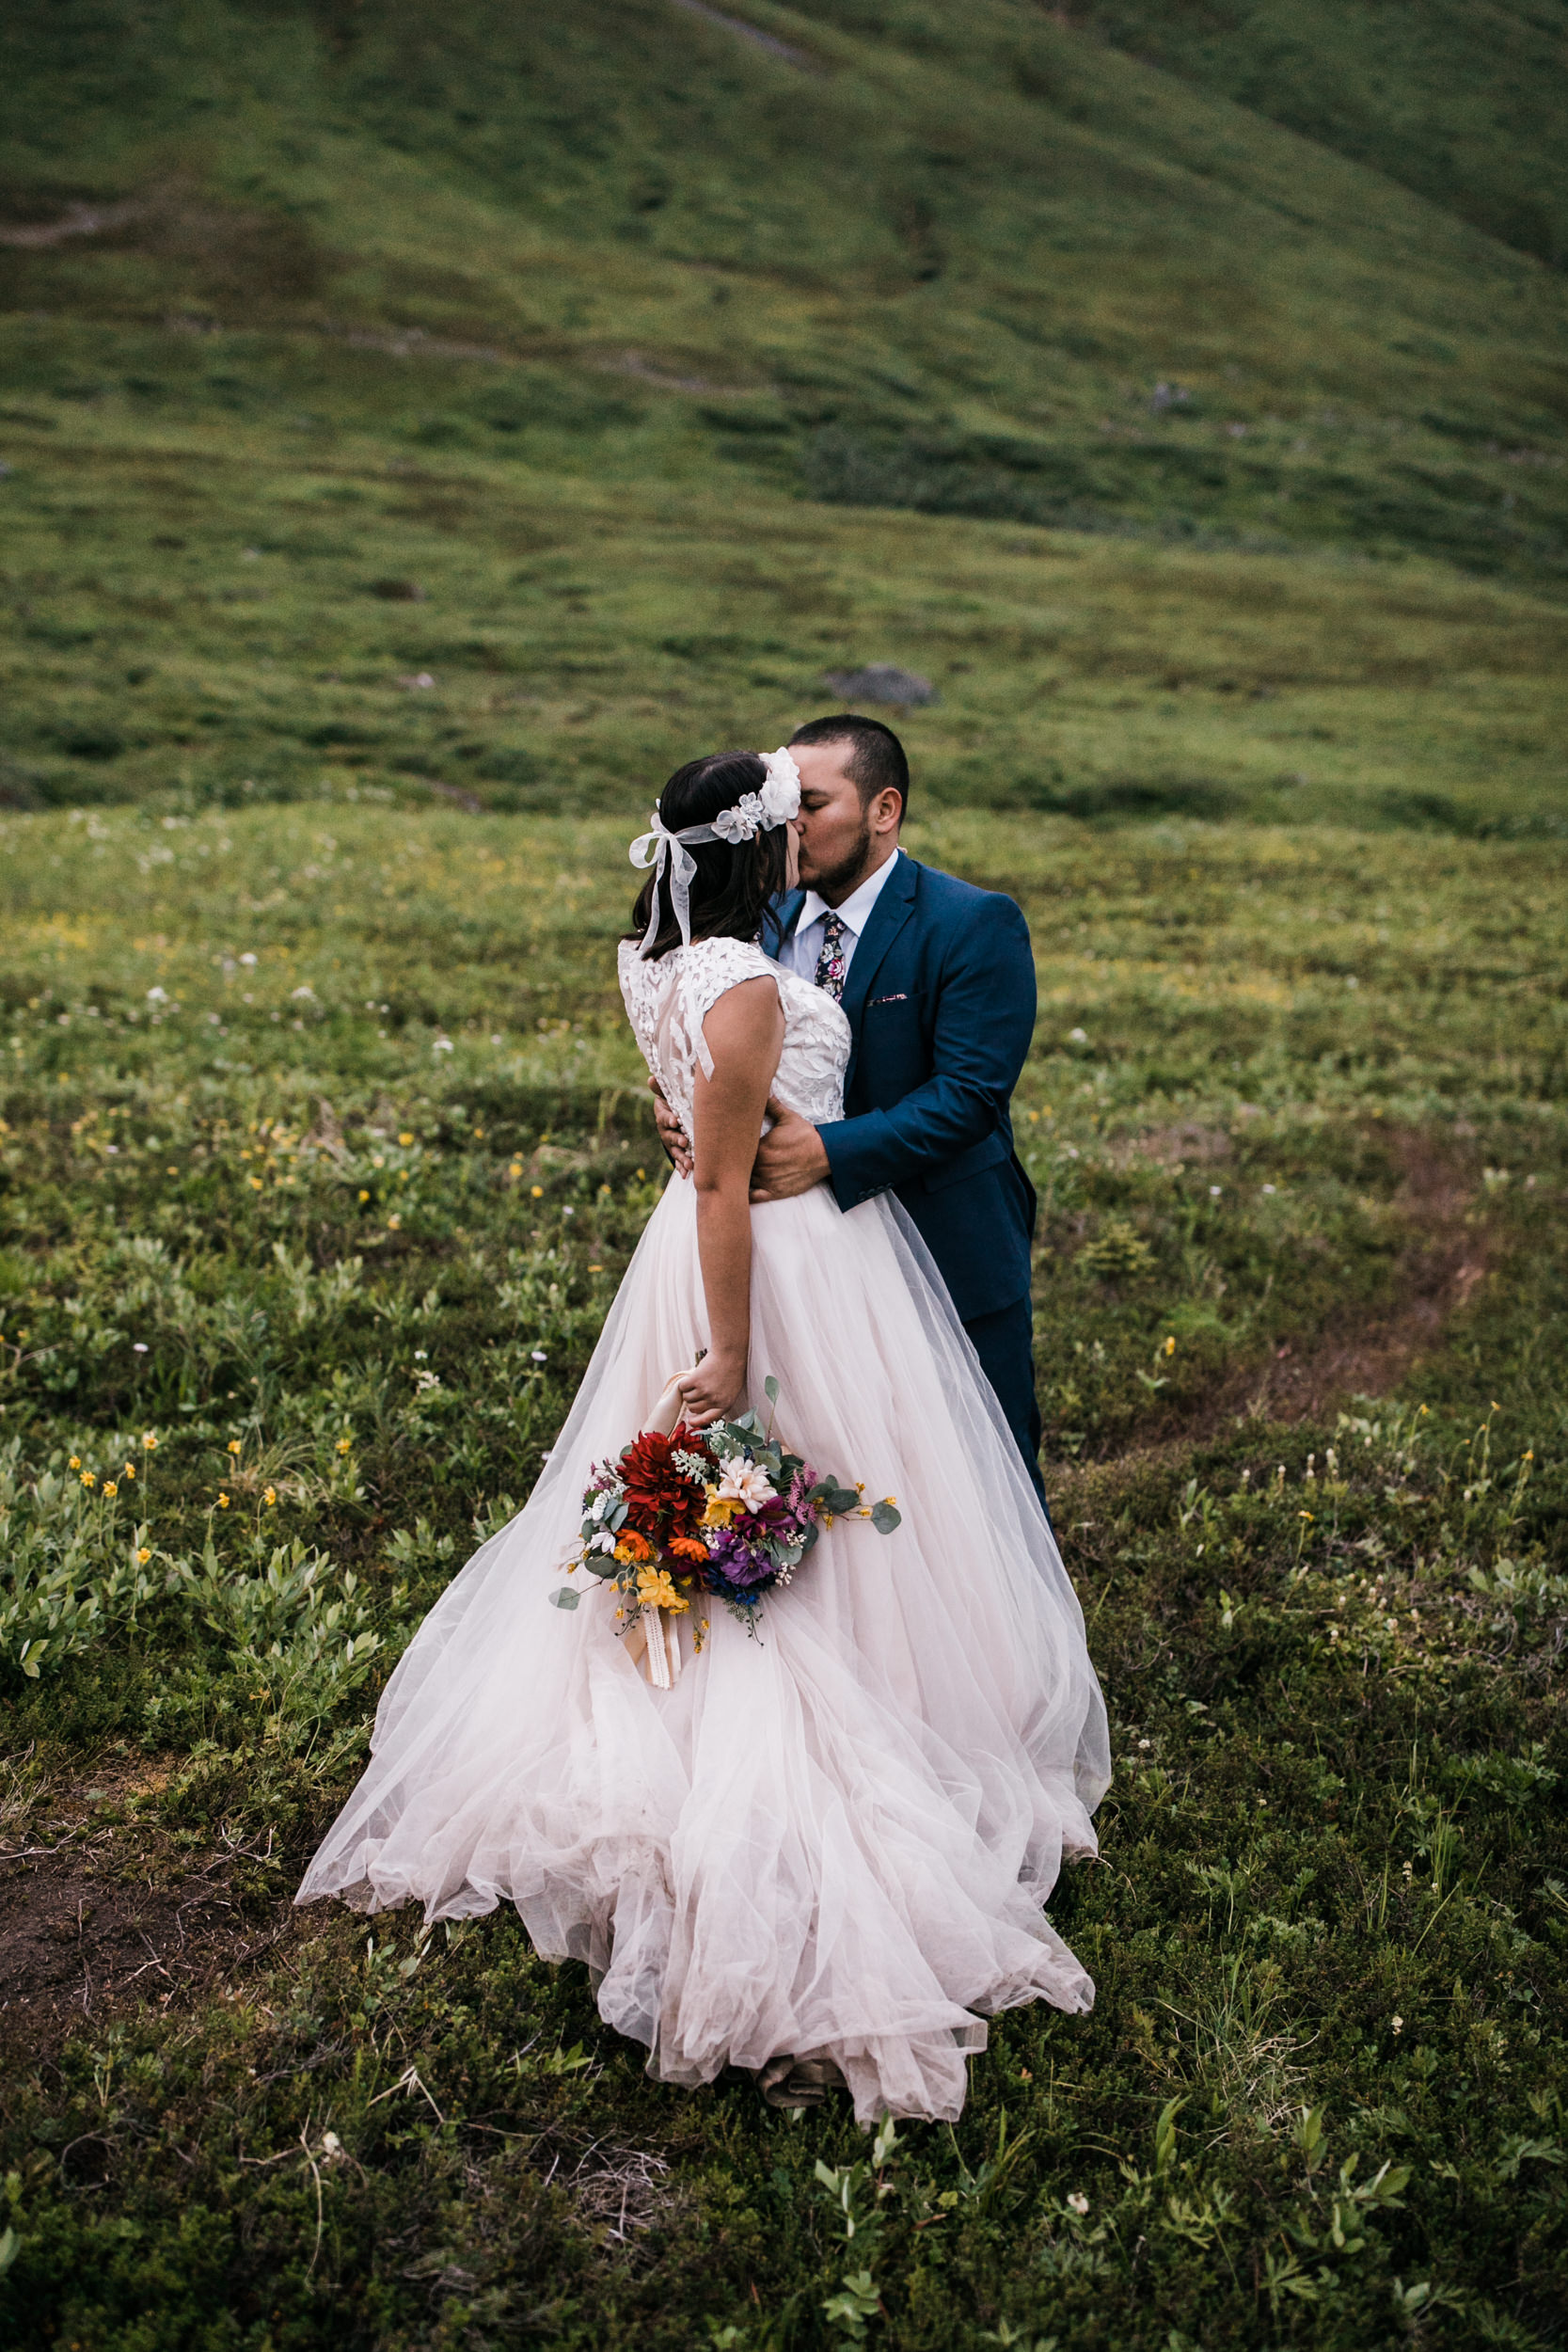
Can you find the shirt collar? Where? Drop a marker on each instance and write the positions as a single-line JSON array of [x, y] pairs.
[[856, 910]]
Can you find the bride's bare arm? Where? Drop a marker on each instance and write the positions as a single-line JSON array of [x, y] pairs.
[[745, 1035]]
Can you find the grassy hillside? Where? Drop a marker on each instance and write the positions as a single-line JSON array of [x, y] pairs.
[[1466, 104], [902, 255]]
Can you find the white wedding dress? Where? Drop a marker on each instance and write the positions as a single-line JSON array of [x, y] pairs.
[[835, 1840]]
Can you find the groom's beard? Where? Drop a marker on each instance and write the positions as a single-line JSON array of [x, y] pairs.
[[836, 883]]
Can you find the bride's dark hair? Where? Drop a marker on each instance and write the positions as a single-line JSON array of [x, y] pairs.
[[736, 882]]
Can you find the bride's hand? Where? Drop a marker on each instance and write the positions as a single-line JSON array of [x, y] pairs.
[[712, 1391]]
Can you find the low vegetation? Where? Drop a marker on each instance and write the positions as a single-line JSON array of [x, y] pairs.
[[324, 1149]]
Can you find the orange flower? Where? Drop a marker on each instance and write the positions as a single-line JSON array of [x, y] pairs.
[[688, 1547], [632, 1546]]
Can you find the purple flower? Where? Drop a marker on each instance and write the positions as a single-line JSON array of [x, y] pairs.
[[744, 1563]]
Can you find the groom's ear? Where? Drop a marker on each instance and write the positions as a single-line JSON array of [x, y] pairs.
[[886, 811]]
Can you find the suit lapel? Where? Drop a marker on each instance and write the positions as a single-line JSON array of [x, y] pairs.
[[786, 911], [888, 917]]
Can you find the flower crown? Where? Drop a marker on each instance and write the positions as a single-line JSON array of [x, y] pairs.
[[670, 852]]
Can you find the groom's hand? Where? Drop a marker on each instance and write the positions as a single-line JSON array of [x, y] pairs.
[[791, 1156], [672, 1135]]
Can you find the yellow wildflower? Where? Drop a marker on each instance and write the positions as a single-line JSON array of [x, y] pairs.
[[345, 1445], [654, 1590], [87, 1479], [1171, 1344], [110, 1488], [144, 1555], [223, 1502], [721, 1508], [536, 1191], [75, 1462], [270, 1496], [150, 1441], [405, 1139], [130, 1470], [233, 1445]]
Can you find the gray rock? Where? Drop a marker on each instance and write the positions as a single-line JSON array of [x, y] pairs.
[[881, 682]]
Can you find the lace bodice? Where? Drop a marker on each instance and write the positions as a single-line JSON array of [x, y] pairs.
[[668, 1001]]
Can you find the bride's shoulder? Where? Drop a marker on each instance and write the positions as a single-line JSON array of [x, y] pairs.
[[710, 967]]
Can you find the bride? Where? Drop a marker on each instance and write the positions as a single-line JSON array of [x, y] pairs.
[[823, 1853]]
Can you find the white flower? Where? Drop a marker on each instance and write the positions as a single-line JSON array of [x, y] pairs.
[[741, 823], [780, 794], [1078, 1037], [157, 995], [743, 1482], [301, 991], [1078, 2202]]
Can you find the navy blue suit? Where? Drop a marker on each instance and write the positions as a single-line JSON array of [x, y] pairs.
[[941, 1004]]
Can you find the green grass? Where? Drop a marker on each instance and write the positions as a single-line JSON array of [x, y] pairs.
[[620, 376], [1294, 1113], [195, 616], [943, 261]]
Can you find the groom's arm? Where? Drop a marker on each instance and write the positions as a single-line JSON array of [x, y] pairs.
[[985, 1019]]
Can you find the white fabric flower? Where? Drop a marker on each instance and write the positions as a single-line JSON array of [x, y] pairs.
[[743, 822], [780, 794], [743, 1482]]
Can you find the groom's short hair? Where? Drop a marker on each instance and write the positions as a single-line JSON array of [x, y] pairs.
[[876, 763]]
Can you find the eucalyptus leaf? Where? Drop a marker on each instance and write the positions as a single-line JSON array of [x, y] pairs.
[[564, 1598], [885, 1517]]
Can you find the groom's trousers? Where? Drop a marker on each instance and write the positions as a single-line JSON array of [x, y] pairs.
[[1005, 1343]]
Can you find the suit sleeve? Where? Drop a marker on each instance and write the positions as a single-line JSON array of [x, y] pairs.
[[985, 1019]]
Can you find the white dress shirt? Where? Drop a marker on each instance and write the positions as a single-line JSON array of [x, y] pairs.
[[803, 946]]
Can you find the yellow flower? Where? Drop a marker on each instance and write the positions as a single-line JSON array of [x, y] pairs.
[[110, 1488], [408, 1138], [233, 1445], [364, 1195], [536, 1191], [149, 1442], [345, 1445], [75, 1462], [255, 1184], [223, 1503], [130, 1470], [654, 1590], [144, 1555], [87, 1479], [721, 1508], [270, 1496], [395, 1224], [1171, 1344]]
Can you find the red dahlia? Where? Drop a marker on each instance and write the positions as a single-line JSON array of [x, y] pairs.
[[661, 1500]]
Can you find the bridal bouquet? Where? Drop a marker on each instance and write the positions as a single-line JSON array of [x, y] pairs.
[[725, 1511]]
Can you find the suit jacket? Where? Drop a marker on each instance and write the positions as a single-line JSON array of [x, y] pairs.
[[941, 1004]]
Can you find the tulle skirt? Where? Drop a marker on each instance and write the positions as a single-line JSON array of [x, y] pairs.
[[834, 1839]]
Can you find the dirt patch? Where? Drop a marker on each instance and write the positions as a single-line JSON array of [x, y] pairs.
[[100, 1910], [1445, 1256]]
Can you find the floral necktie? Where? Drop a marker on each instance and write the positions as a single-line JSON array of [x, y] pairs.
[[832, 964]]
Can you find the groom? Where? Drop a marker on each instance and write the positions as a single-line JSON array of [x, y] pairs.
[[938, 981]]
